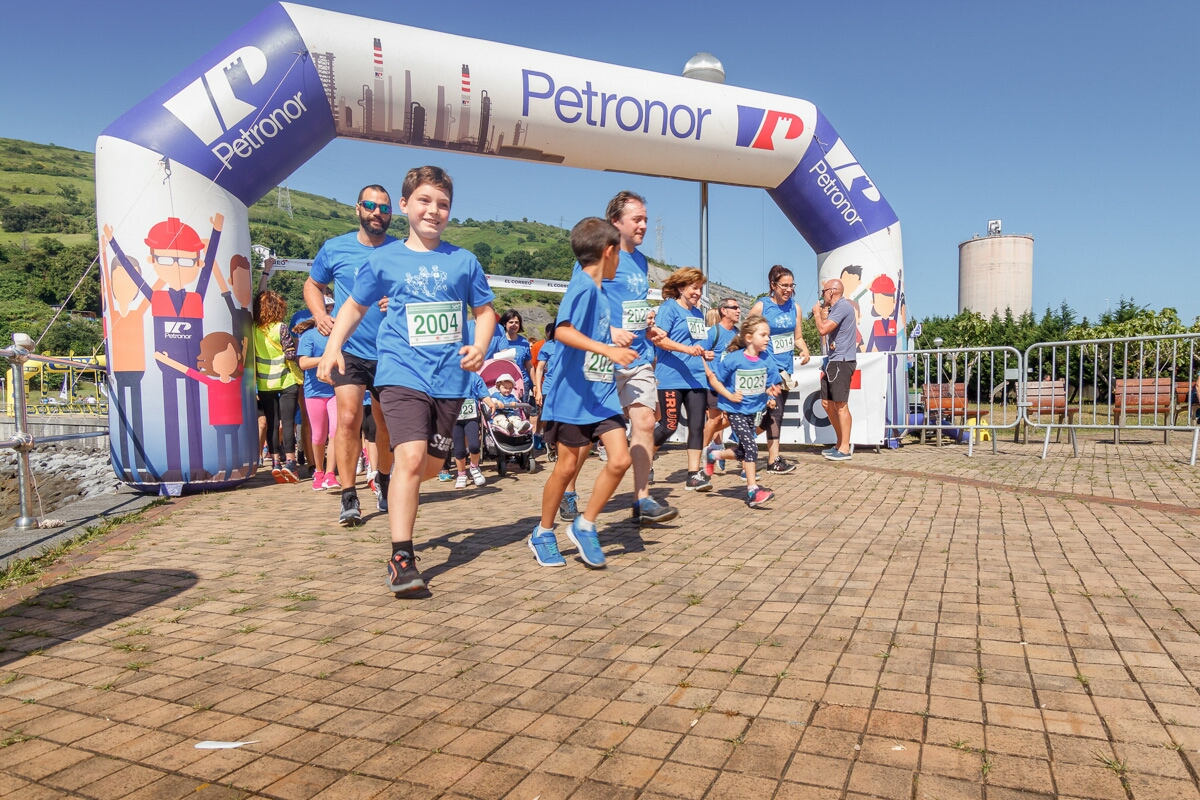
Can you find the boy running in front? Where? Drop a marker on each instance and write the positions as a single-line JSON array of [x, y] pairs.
[[425, 361], [581, 405]]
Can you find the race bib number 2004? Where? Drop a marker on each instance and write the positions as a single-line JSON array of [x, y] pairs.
[[434, 323]]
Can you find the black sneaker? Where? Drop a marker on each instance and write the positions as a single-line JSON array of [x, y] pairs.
[[403, 577], [383, 482], [351, 514], [568, 507], [780, 466], [649, 511], [698, 482]]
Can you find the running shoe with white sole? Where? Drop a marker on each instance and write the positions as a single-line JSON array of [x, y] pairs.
[[383, 482], [757, 497], [698, 482], [351, 513], [568, 508], [838, 455], [781, 466], [461, 481], [331, 481], [588, 543], [318, 484], [477, 475], [545, 549]]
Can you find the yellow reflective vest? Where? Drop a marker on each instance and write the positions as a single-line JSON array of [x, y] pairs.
[[272, 372]]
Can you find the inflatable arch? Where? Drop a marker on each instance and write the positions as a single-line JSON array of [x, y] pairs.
[[175, 174]]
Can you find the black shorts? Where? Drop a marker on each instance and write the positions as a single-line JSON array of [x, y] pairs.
[[571, 435], [367, 429], [772, 421], [835, 381], [712, 400], [413, 416], [359, 372]]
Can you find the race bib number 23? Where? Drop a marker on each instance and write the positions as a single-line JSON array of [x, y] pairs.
[[434, 323]]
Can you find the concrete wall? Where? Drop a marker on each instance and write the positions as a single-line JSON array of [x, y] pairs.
[[41, 426], [996, 273]]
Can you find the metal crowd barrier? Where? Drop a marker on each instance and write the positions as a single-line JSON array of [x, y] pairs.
[[1137, 383], [22, 441], [968, 394]]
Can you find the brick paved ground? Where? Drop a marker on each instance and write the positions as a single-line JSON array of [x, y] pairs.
[[910, 625]]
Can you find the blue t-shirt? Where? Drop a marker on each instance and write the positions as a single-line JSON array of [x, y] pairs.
[[685, 327], [338, 262], [545, 355], [511, 400], [583, 390], [430, 295], [782, 319], [627, 304], [476, 391], [523, 356], [312, 344], [737, 372], [719, 338]]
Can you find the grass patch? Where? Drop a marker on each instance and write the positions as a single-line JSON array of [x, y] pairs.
[[21, 571]]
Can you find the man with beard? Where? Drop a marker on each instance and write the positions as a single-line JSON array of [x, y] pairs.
[[338, 262]]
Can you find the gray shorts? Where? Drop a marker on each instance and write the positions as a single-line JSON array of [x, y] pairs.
[[637, 387]]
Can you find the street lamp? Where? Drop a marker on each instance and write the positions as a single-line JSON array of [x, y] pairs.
[[704, 67]]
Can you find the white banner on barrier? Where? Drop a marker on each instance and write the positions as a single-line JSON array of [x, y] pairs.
[[804, 420]]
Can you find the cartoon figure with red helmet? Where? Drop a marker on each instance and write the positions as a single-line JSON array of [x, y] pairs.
[[175, 250], [883, 305]]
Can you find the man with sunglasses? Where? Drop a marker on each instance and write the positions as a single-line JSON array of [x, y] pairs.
[[338, 262], [836, 321]]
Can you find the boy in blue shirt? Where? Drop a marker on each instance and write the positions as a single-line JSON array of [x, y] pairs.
[[425, 360], [581, 405]]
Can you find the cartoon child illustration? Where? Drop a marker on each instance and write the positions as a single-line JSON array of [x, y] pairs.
[[237, 294], [126, 359], [883, 305], [219, 366], [851, 279], [175, 250]]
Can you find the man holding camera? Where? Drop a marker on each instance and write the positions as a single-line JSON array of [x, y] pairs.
[[835, 320]]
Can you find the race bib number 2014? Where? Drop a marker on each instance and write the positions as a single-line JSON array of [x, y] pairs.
[[783, 342], [434, 323], [697, 328]]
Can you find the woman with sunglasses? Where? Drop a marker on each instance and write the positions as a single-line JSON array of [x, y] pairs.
[[779, 309]]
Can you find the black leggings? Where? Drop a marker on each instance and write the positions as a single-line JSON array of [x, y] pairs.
[[693, 403], [772, 420], [280, 408], [466, 437], [746, 448]]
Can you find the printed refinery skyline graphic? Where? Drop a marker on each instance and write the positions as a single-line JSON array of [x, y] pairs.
[[386, 112]]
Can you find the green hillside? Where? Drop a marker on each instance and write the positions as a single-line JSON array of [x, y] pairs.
[[48, 240]]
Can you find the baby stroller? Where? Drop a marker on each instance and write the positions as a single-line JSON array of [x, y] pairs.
[[499, 443]]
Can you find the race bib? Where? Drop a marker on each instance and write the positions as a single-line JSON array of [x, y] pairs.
[[750, 382], [784, 343], [635, 315], [697, 328], [434, 323], [598, 368], [470, 409]]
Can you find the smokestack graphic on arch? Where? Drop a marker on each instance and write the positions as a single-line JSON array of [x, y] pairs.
[[251, 110]]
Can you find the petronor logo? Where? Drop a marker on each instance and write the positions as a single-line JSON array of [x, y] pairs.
[[846, 167], [763, 130], [208, 106]]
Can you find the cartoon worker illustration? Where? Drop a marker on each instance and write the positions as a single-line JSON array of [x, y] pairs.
[[219, 367], [883, 305], [175, 250], [126, 361]]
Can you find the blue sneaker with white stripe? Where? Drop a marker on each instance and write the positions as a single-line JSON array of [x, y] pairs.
[[588, 543], [544, 545]]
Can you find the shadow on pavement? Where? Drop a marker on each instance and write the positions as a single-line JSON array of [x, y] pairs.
[[67, 610]]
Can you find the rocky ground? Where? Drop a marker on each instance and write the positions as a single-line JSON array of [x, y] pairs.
[[61, 475]]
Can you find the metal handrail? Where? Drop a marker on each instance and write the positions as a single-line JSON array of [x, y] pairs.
[[23, 441]]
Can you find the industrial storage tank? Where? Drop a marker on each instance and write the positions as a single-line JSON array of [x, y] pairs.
[[995, 273]]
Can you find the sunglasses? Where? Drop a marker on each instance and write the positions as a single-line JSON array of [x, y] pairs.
[[166, 261], [371, 205]]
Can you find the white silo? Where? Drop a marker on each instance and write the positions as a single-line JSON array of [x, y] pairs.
[[995, 272]]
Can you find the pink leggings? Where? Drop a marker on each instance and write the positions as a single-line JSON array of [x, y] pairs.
[[322, 418]]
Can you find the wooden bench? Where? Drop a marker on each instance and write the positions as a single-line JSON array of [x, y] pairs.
[[949, 401], [1152, 396], [1049, 397]]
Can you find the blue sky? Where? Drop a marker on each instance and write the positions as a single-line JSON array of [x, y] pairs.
[[1073, 122]]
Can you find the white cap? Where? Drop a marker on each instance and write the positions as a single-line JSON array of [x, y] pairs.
[[504, 376]]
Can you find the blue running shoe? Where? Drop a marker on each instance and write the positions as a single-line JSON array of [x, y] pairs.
[[589, 545], [545, 548]]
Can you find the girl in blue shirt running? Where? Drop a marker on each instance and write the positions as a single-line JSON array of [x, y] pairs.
[[779, 309], [744, 379]]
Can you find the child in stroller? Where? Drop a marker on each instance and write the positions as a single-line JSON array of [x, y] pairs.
[[508, 434]]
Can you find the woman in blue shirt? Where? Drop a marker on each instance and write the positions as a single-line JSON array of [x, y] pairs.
[[682, 380], [778, 308], [510, 344]]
